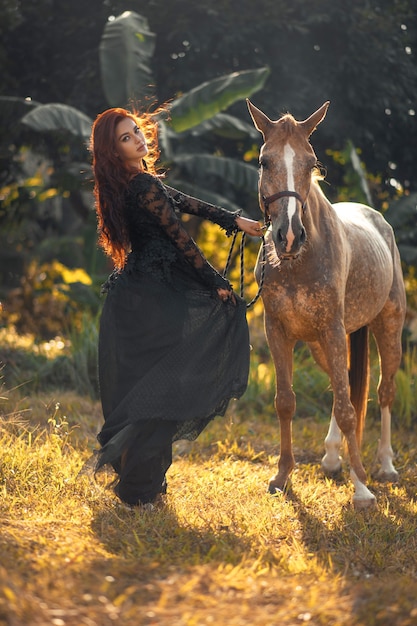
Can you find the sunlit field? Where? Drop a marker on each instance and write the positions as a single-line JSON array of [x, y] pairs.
[[219, 549]]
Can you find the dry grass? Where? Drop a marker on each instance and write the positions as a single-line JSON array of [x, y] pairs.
[[221, 551]]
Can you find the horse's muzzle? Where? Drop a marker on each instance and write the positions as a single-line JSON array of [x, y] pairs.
[[288, 257], [288, 245]]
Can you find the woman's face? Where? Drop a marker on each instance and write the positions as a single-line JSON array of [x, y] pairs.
[[130, 142]]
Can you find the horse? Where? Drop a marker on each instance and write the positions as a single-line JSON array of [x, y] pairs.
[[332, 274]]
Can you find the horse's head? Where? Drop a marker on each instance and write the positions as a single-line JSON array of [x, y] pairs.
[[287, 162]]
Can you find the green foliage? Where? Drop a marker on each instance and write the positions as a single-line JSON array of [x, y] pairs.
[[58, 117], [314, 52], [71, 364], [50, 300], [243, 175], [311, 386], [355, 187], [405, 405], [205, 101], [83, 359], [125, 53], [55, 365], [126, 50], [402, 215]]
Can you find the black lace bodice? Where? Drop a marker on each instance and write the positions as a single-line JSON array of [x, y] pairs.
[[157, 235]]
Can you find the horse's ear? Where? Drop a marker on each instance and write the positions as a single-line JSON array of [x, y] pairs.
[[314, 120], [261, 121]]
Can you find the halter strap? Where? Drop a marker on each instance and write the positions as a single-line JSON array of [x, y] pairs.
[[283, 194]]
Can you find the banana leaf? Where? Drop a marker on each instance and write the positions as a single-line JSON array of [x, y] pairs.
[[196, 190], [12, 108], [227, 126], [126, 50], [240, 175], [212, 97], [56, 116]]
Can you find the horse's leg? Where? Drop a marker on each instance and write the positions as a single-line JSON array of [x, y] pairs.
[[282, 353], [387, 332], [335, 350], [331, 462], [387, 471]]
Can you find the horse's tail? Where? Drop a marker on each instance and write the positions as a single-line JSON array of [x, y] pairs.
[[358, 346]]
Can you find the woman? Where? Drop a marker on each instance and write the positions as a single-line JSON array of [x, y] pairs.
[[173, 343]]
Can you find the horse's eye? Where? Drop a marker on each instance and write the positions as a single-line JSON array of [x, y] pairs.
[[263, 163]]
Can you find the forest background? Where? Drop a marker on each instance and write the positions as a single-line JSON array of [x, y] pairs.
[[362, 60], [204, 58]]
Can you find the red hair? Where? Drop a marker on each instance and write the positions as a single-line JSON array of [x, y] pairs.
[[111, 177]]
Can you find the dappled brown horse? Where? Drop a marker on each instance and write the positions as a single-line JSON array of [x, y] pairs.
[[332, 273]]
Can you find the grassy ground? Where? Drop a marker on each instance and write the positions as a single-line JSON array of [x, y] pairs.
[[220, 551]]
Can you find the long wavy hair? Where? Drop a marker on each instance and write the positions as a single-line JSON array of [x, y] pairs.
[[111, 177]]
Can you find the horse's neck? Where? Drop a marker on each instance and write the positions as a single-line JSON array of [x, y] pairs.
[[320, 220], [318, 207]]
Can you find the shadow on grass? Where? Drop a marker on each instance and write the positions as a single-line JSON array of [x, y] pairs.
[[374, 550], [158, 537]]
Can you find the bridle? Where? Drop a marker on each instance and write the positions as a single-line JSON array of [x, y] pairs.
[[267, 200], [267, 218]]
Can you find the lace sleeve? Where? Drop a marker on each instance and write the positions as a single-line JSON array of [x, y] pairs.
[[187, 204], [156, 201]]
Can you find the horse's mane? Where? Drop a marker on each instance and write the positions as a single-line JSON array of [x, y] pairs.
[[317, 175], [316, 178]]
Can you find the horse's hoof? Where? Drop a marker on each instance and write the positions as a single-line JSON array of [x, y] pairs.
[[385, 476], [332, 472], [275, 490], [331, 467], [363, 504]]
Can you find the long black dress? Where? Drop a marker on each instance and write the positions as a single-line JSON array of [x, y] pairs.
[[171, 353]]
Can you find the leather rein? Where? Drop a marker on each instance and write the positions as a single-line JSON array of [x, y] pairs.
[[242, 264]]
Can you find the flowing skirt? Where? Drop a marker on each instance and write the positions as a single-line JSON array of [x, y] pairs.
[[171, 357]]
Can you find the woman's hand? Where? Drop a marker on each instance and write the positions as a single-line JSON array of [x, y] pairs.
[[251, 227], [226, 294]]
